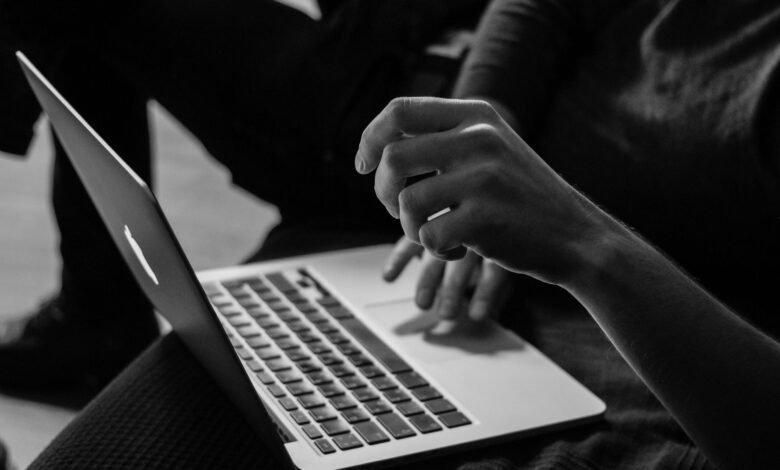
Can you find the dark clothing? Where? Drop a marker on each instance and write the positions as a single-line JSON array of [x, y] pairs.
[[278, 98], [150, 417], [663, 112]]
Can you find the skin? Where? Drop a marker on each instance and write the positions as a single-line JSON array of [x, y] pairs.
[[714, 372]]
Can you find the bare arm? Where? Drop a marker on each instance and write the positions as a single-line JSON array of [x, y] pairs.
[[719, 376]]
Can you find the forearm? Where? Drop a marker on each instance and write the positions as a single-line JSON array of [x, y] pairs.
[[718, 376]]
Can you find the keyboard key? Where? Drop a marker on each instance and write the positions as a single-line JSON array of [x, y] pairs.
[[287, 343], [384, 383], [396, 395], [352, 382], [336, 338], [306, 308], [347, 441], [278, 306], [371, 433], [316, 317], [288, 317], [426, 393], [231, 311], [248, 303], [355, 415], [335, 427], [265, 378], [411, 380], [211, 288], [323, 413], [331, 390], [326, 327], [299, 417], [267, 323], [454, 419], [258, 313], [233, 283], [235, 341], [319, 348], [410, 409], [298, 327], [255, 365], [365, 394], [311, 401], [339, 312], [289, 376], [297, 355], [377, 407], [324, 446], [277, 391], [308, 337], [295, 297], [358, 360], [277, 333], [258, 342], [348, 349], [319, 378], [439, 406], [396, 426], [378, 349], [330, 359], [269, 297], [341, 370], [239, 321], [281, 282], [244, 354], [268, 354], [343, 402], [308, 367], [371, 372], [297, 389], [248, 331], [288, 404], [312, 431], [329, 302], [425, 423], [276, 365]]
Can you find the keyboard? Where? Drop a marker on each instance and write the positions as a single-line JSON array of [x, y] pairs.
[[339, 382]]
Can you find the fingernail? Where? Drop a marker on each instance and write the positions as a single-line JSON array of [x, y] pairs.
[[360, 165], [387, 272], [479, 310], [423, 298]]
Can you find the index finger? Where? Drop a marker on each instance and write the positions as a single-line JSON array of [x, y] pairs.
[[408, 116]]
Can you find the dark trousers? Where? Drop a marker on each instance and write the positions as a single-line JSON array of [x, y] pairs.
[[277, 97]]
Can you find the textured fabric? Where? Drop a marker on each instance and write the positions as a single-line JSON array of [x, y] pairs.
[[164, 411], [661, 111]]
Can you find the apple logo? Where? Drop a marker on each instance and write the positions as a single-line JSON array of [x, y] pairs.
[[140, 255]]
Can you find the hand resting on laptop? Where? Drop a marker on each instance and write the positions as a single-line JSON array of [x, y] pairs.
[[507, 205]]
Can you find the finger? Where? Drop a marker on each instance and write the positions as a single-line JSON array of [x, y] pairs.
[[446, 236], [430, 198], [411, 116], [404, 159], [429, 280], [452, 293], [403, 251], [491, 292]]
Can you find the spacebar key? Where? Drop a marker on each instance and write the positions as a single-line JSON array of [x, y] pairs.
[[375, 346]]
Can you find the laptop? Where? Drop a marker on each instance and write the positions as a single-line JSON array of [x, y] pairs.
[[331, 366]]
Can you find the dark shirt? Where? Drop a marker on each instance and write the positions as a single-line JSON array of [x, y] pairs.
[[665, 112]]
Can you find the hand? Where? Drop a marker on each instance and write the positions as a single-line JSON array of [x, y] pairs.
[[500, 199], [446, 286]]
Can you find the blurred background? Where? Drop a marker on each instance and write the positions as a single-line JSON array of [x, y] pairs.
[[217, 225]]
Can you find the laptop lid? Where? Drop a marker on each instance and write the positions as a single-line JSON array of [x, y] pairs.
[[140, 231]]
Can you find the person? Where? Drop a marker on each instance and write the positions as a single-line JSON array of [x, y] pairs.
[[661, 112], [273, 94], [714, 371]]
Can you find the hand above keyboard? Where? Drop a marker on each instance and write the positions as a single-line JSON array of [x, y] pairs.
[[471, 284]]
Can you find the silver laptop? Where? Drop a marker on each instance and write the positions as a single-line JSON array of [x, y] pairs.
[[330, 365]]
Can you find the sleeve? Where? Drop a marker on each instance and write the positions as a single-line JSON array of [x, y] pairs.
[[524, 49]]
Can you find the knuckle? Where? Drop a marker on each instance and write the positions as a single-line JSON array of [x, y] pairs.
[[484, 109], [391, 155], [407, 200], [399, 107]]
